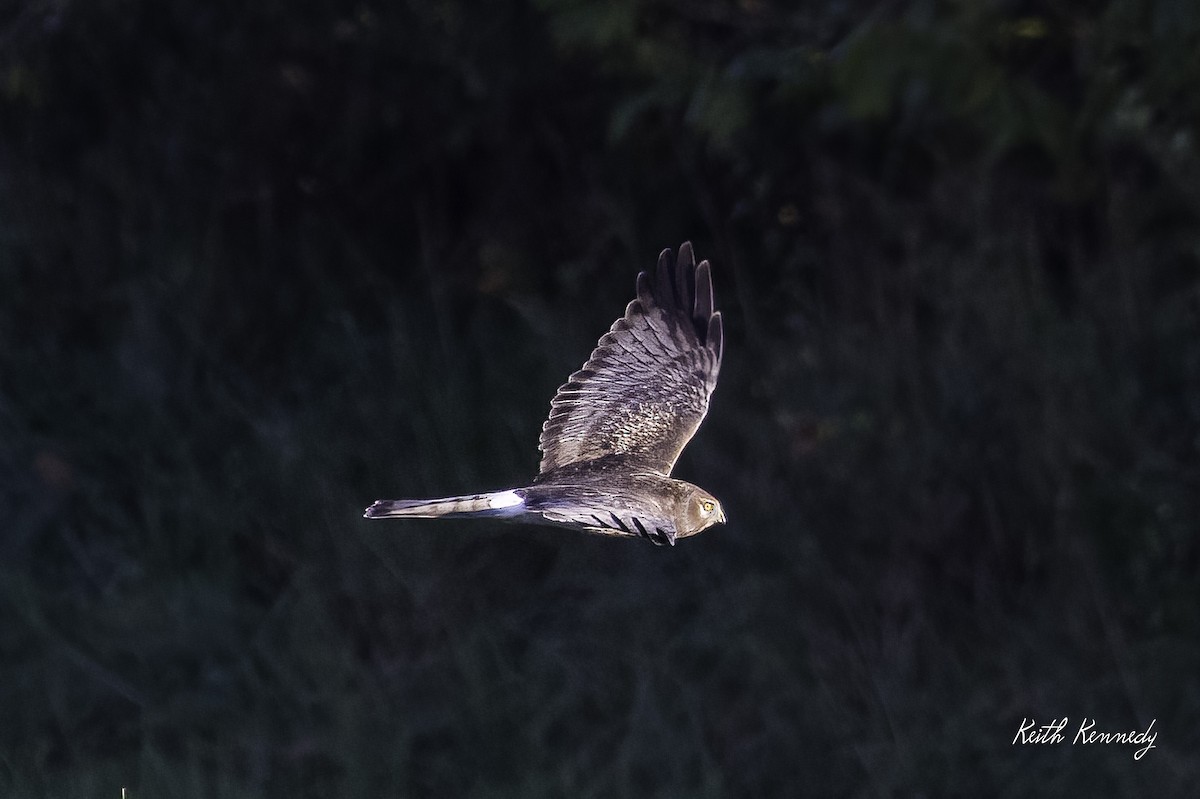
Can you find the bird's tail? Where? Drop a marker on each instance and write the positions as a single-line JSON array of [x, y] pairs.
[[498, 504]]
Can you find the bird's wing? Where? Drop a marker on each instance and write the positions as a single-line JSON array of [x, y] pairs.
[[658, 528], [584, 501], [644, 391]]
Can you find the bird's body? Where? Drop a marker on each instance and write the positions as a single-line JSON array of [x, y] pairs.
[[618, 425]]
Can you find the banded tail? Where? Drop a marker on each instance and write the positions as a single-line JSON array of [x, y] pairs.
[[498, 504]]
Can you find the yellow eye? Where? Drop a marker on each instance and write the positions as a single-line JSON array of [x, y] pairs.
[[707, 505]]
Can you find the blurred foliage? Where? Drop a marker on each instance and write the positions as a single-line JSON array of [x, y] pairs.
[[260, 265]]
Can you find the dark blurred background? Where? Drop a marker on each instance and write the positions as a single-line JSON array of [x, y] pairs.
[[263, 263]]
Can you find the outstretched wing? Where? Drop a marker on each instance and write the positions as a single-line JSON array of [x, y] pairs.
[[644, 391]]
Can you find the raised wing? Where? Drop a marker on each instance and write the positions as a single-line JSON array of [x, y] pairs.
[[644, 391]]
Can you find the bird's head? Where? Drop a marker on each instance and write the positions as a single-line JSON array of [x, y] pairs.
[[701, 511]]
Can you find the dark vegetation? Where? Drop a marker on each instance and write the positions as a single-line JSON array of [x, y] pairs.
[[263, 263]]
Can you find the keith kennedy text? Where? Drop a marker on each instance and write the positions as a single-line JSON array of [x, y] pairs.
[[1030, 732]]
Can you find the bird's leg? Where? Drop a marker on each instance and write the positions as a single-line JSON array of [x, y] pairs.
[[659, 537], [662, 538]]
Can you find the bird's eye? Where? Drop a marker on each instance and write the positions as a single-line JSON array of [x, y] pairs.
[[707, 505]]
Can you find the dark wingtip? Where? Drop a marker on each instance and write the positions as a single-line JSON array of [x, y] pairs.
[[704, 294], [664, 278], [679, 284], [685, 275], [645, 292], [716, 335]]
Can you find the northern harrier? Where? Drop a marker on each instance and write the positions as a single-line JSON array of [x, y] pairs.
[[618, 425]]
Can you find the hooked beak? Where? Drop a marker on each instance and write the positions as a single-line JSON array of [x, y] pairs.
[[721, 517]]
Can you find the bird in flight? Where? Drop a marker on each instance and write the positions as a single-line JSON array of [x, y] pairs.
[[617, 426]]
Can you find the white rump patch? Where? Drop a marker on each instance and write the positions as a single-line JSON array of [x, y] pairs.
[[504, 499]]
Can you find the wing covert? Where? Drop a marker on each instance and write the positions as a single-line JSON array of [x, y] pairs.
[[645, 389]]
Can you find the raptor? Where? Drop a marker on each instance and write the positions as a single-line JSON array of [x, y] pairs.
[[617, 426]]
